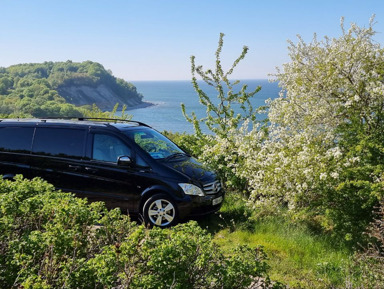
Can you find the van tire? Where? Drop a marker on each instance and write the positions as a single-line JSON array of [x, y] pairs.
[[160, 211]]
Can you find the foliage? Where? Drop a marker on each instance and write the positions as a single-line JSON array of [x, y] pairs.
[[221, 117], [368, 267], [95, 112], [190, 143], [50, 239], [224, 117], [33, 89], [297, 257], [321, 155]]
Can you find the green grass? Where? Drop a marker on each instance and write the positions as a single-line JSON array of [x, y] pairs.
[[297, 256]]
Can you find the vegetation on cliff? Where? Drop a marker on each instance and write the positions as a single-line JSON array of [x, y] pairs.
[[62, 89]]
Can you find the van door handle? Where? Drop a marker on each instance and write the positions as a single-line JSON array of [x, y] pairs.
[[90, 170], [75, 168]]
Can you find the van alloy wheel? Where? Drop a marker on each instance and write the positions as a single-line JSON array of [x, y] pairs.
[[160, 211]]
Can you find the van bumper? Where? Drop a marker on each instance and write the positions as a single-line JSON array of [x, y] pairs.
[[200, 206]]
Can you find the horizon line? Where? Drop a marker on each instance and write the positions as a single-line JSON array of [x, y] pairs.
[[239, 79]]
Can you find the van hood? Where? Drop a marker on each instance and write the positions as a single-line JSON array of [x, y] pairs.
[[191, 168]]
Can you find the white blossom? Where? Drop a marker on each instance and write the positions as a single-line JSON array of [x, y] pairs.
[[300, 158], [335, 175]]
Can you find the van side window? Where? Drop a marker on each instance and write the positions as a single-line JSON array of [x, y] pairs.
[[59, 142], [140, 162], [108, 148], [16, 139]]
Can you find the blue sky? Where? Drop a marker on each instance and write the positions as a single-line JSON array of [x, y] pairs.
[[154, 39]]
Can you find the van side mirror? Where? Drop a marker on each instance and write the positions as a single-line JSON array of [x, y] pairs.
[[124, 161]]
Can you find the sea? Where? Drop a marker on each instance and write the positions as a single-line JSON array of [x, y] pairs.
[[164, 98]]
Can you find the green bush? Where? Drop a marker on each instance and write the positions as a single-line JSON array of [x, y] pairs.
[[190, 143], [368, 266], [50, 239], [320, 153]]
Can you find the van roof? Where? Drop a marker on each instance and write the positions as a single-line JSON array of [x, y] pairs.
[[118, 123]]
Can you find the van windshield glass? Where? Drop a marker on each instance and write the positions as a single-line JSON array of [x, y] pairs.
[[154, 143]]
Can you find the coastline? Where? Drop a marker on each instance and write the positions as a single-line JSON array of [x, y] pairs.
[[144, 104]]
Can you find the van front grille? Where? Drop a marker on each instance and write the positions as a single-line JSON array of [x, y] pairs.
[[212, 188]]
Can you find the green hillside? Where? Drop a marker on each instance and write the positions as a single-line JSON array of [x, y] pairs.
[[59, 89]]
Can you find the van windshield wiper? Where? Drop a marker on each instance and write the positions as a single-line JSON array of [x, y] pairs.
[[176, 155]]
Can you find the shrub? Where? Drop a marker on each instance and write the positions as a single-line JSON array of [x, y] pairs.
[[323, 154], [368, 268], [230, 112], [50, 239], [190, 143]]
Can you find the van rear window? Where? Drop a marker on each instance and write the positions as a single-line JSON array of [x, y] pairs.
[[16, 139], [59, 142]]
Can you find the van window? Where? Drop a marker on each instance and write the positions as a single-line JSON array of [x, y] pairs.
[[108, 148], [154, 143], [16, 139], [59, 142]]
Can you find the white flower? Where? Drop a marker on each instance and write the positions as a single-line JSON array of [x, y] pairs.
[[335, 175], [337, 153]]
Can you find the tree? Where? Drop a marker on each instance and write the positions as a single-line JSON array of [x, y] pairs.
[[324, 155], [221, 116], [225, 117]]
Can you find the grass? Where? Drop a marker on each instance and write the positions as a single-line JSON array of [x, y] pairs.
[[297, 256]]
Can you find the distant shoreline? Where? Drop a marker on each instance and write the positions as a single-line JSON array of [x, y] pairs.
[[144, 104]]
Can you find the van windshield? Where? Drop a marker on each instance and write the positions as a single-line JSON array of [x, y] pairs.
[[155, 144]]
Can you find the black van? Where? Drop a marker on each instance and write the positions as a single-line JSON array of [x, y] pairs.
[[124, 164]]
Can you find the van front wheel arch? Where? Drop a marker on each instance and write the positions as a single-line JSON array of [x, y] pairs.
[[160, 210]]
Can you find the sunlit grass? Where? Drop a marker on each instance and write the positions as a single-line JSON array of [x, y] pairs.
[[297, 256]]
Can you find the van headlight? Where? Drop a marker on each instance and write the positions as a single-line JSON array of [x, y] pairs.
[[192, 190]]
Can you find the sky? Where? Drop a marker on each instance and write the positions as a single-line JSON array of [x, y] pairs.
[[154, 39]]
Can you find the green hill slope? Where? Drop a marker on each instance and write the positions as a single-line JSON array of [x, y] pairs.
[[62, 89]]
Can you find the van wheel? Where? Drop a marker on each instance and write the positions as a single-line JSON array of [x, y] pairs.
[[159, 210]]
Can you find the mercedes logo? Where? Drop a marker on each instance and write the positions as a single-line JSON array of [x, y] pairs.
[[216, 187]]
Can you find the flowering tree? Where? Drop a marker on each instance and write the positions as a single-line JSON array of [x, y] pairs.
[[324, 155], [321, 154], [220, 115], [225, 116]]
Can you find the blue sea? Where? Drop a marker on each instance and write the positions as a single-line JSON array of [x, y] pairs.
[[167, 96]]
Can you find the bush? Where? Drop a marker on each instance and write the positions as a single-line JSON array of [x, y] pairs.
[[323, 154], [225, 116], [368, 268], [50, 239], [190, 143]]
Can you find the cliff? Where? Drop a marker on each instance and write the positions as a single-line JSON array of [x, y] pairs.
[[62, 89], [101, 95]]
